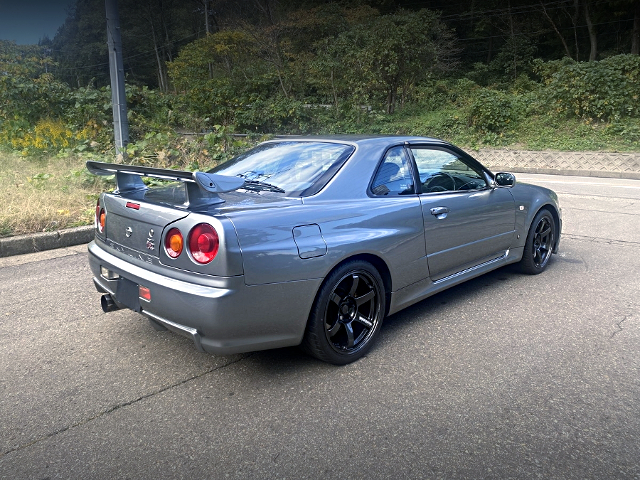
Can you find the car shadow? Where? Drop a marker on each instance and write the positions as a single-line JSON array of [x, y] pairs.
[[292, 359], [432, 308]]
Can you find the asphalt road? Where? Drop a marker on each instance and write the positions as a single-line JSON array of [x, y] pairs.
[[506, 376]]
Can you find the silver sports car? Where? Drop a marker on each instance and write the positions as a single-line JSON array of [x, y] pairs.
[[310, 241]]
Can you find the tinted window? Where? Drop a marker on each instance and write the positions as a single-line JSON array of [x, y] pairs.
[[394, 174], [289, 167], [443, 171]]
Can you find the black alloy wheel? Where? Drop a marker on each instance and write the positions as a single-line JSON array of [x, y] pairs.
[[540, 241], [347, 314]]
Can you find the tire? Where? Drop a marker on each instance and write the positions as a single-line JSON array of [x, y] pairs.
[[346, 314], [539, 245]]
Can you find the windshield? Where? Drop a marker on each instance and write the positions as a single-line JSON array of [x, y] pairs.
[[291, 167]]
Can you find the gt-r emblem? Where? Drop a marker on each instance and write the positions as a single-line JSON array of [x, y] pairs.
[[128, 232], [151, 244]]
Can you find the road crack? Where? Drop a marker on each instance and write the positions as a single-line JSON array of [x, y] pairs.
[[619, 325], [119, 406], [608, 241], [632, 214]]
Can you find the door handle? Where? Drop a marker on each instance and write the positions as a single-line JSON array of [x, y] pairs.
[[437, 211]]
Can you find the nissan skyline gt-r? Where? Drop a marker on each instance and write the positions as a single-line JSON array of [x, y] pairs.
[[310, 241]]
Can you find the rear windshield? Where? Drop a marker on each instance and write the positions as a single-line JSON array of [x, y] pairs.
[[292, 167]]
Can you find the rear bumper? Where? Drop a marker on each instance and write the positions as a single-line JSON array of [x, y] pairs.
[[222, 315]]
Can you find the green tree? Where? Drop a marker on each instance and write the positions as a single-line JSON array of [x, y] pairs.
[[28, 91], [605, 90], [383, 60], [216, 74], [80, 45]]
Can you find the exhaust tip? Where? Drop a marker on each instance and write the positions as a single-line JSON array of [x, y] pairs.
[[108, 304]]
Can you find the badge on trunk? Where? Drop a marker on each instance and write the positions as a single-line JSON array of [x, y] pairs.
[[150, 241]]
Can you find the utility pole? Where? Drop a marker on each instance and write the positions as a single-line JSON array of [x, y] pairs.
[[116, 72]]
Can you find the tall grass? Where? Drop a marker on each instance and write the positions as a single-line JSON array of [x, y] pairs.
[[45, 194]]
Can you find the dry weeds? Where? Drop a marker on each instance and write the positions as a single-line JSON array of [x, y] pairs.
[[45, 194]]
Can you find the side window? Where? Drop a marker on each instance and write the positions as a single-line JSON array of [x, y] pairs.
[[394, 174], [442, 171]]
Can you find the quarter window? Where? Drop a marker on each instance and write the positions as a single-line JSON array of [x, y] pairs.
[[394, 174]]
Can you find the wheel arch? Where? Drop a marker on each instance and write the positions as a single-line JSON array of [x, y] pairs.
[[378, 263], [316, 341]]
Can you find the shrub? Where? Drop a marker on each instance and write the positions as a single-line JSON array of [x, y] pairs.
[[444, 93], [493, 112], [277, 115], [47, 135], [604, 90]]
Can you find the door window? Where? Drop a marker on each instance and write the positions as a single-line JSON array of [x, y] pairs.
[[444, 171]]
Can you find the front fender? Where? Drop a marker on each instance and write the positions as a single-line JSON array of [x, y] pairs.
[[529, 199]]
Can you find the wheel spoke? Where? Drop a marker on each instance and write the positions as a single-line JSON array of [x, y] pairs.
[[333, 330], [545, 232], [335, 298], [354, 286], [366, 297], [349, 329], [541, 243]]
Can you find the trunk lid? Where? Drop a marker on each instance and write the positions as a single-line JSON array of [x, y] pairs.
[[137, 223], [137, 220]]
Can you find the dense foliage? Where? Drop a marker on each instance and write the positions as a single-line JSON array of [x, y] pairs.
[[489, 73], [606, 90], [505, 37]]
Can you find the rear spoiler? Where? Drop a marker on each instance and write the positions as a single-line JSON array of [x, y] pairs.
[[201, 188]]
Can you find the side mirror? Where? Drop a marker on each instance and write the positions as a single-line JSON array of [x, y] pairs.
[[504, 179]]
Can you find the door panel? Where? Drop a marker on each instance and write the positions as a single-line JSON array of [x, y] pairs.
[[466, 220], [477, 226], [464, 229]]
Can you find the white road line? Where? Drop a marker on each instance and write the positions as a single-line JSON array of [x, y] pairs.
[[539, 180]]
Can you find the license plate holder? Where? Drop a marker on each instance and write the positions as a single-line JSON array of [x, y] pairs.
[[127, 293]]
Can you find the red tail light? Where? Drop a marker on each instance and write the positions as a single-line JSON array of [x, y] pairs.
[[173, 243], [101, 217], [203, 243]]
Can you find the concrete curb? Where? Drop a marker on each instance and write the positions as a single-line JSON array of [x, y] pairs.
[[37, 242]]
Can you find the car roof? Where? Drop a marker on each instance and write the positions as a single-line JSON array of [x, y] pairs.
[[361, 139]]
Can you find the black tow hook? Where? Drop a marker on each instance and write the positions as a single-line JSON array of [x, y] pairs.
[[107, 303]]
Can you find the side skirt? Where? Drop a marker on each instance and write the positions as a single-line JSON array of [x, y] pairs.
[[425, 288]]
